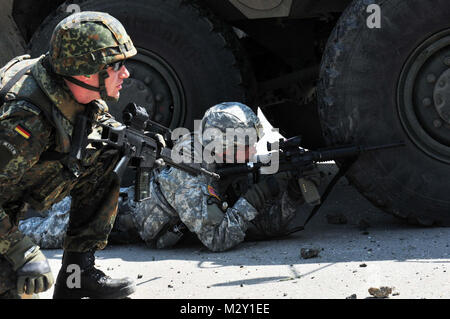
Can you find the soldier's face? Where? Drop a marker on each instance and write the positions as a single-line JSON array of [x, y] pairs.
[[115, 80], [113, 85], [240, 154]]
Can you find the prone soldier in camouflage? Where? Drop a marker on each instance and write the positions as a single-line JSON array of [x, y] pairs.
[[38, 167], [221, 216]]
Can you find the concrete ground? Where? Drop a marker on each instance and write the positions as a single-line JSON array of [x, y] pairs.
[[369, 249], [414, 261]]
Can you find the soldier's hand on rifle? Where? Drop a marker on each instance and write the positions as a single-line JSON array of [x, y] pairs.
[[33, 271], [268, 188]]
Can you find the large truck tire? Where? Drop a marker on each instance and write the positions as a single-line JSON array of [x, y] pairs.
[[392, 84], [187, 59]]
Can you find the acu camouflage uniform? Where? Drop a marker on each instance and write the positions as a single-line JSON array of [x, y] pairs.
[[31, 135], [179, 200]]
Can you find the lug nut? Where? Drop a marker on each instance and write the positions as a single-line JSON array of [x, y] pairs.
[[147, 80], [159, 97], [437, 123], [426, 101], [447, 61]]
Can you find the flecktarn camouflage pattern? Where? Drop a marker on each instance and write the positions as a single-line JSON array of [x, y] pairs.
[[27, 179], [85, 42]]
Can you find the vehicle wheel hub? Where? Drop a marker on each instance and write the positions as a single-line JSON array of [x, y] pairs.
[[442, 96], [424, 96], [154, 85]]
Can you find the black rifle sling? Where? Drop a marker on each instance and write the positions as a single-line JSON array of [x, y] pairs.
[[342, 171]]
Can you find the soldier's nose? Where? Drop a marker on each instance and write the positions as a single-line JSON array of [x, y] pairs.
[[124, 73]]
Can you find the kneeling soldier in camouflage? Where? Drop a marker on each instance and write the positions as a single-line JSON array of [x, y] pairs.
[[39, 165]]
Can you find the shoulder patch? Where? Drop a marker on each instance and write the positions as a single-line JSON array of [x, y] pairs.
[[21, 130], [7, 153]]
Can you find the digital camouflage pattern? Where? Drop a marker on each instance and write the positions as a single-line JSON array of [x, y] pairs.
[[26, 180], [47, 229], [178, 198], [85, 42], [232, 115]]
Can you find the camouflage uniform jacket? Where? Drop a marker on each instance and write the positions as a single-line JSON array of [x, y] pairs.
[[178, 197], [25, 134]]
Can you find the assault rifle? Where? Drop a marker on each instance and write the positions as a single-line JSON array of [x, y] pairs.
[[295, 159], [142, 143]]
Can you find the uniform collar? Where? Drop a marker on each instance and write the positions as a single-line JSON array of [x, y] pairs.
[[57, 92]]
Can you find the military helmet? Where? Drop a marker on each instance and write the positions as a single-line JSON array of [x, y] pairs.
[[84, 43], [231, 115]]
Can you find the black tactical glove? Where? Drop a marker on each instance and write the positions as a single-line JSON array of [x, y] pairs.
[[268, 188], [32, 269]]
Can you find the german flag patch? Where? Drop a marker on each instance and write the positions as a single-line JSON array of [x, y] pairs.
[[22, 131], [212, 192]]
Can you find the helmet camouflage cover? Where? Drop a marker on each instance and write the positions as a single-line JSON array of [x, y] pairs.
[[230, 115], [85, 42]]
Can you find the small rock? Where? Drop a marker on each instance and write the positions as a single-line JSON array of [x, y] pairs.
[[169, 286], [139, 276], [242, 285], [336, 219], [363, 265], [353, 296], [307, 253], [382, 292]]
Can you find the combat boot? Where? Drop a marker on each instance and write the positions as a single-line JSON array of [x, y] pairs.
[[91, 282]]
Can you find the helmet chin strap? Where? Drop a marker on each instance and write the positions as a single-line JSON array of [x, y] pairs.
[[102, 76]]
